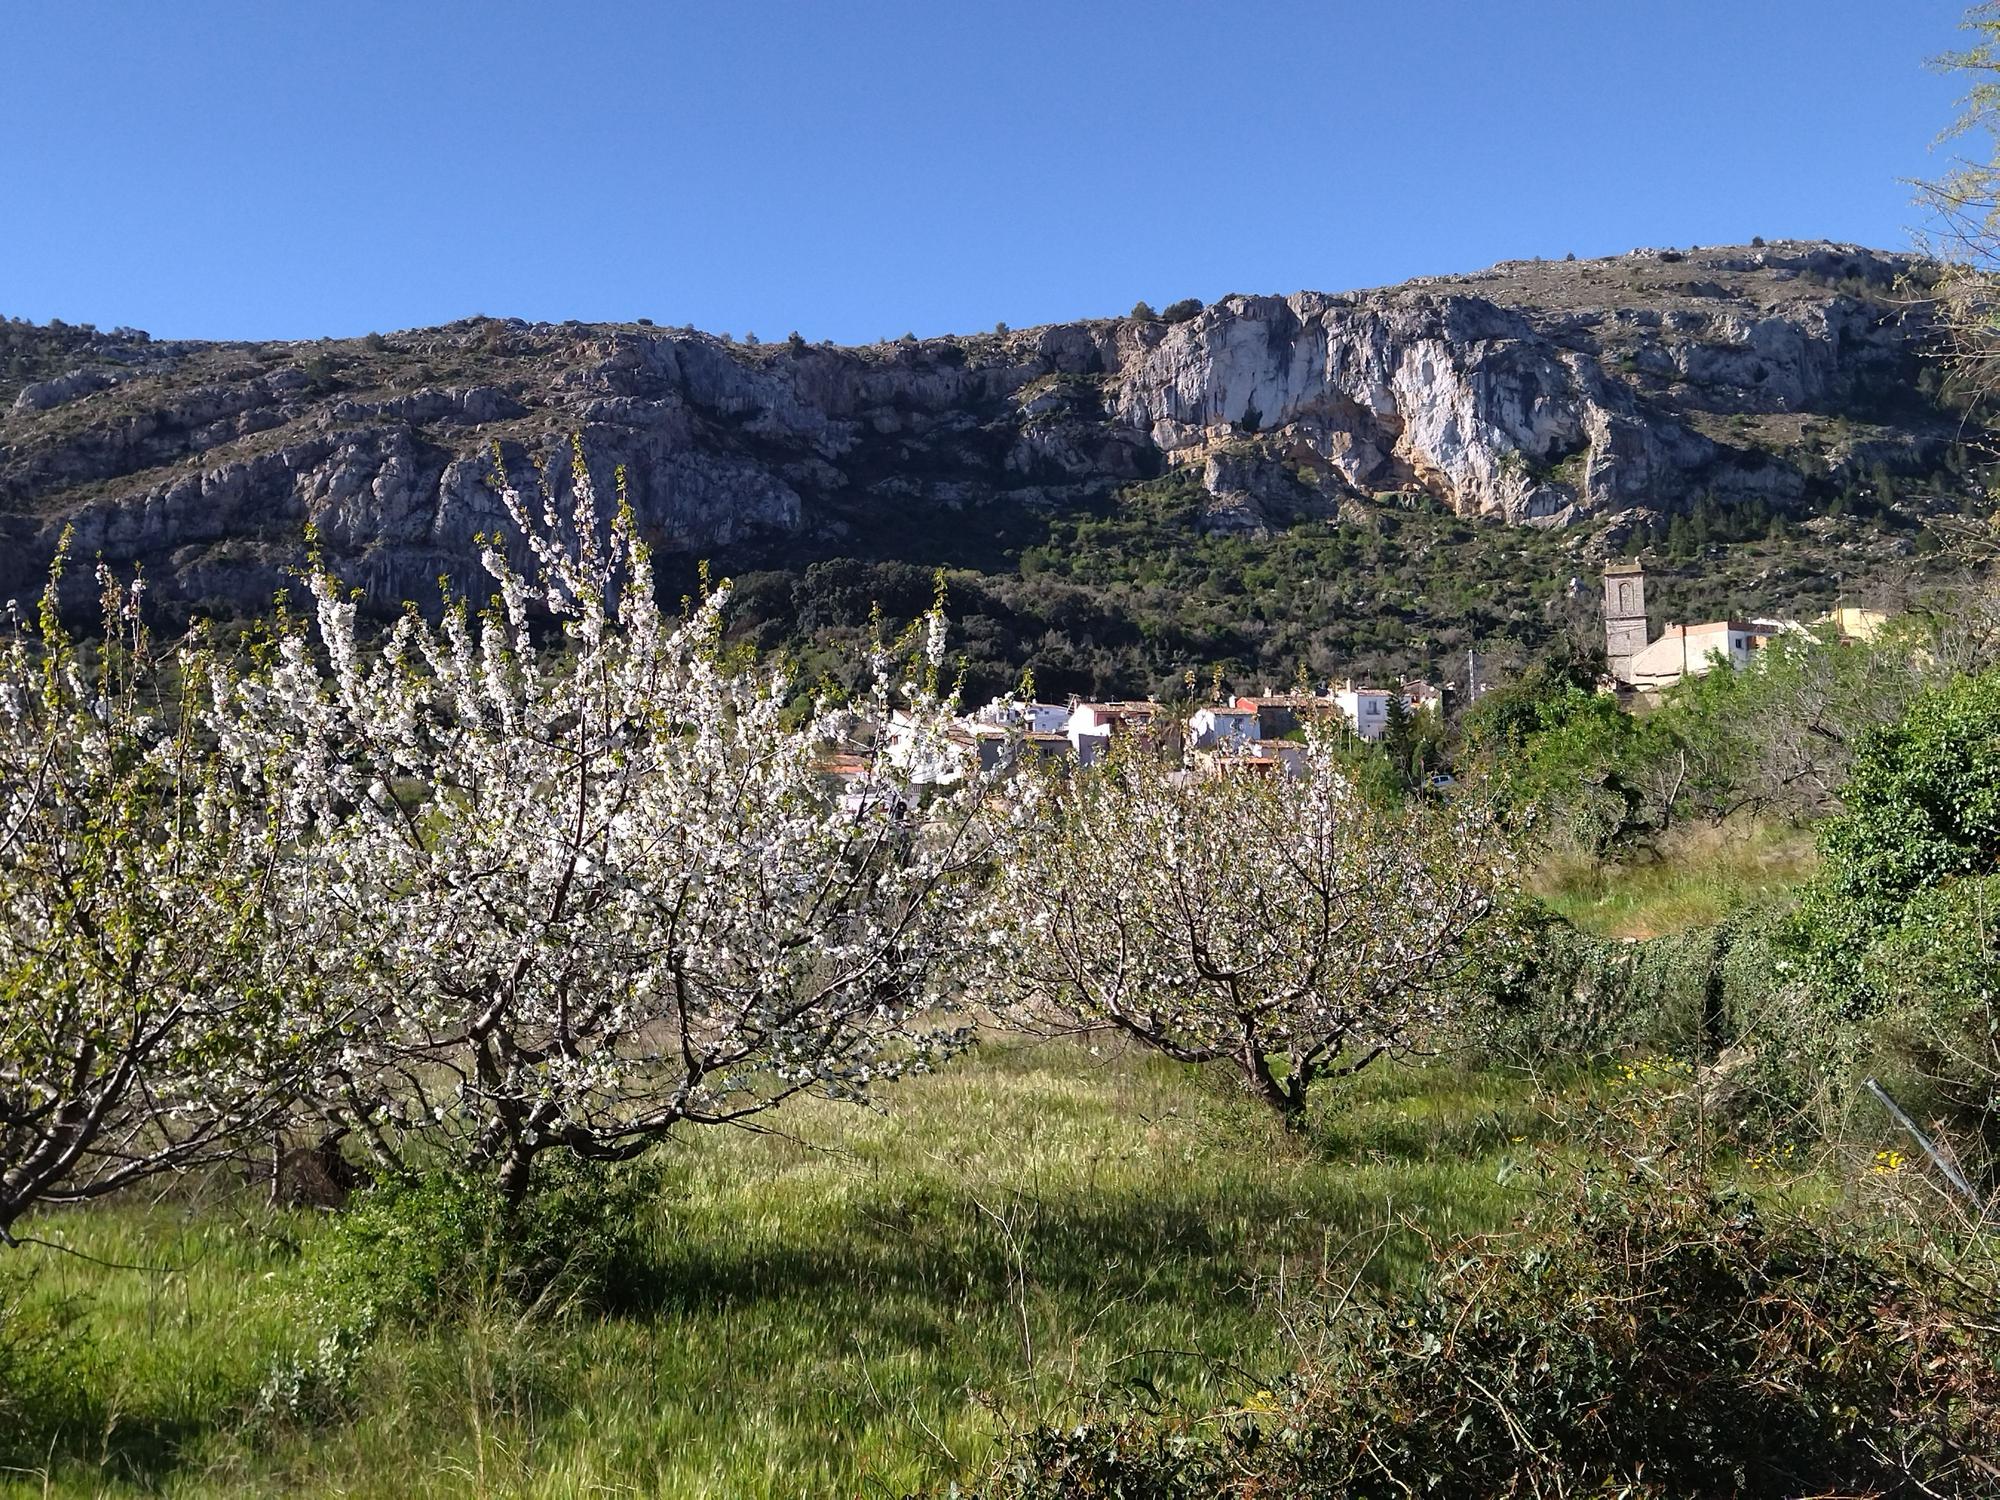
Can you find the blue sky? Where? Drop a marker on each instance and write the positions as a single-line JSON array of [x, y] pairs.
[[856, 168]]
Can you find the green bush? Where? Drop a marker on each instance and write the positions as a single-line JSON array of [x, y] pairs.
[[443, 1244], [1564, 755], [1893, 936], [1937, 973], [1554, 990], [1922, 807], [1775, 1060], [443, 1249], [1644, 1335], [44, 1360]]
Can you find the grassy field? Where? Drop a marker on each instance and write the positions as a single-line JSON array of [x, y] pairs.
[[859, 1311], [1699, 878], [865, 1305]]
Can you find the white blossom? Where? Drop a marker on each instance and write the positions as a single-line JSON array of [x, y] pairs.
[[585, 887], [155, 982], [1281, 924]]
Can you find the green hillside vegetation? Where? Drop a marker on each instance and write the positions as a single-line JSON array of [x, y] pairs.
[[1125, 600]]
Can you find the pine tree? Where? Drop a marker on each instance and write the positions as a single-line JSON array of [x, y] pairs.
[[1399, 744]]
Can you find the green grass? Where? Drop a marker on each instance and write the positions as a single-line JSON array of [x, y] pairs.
[[1696, 881], [863, 1310]]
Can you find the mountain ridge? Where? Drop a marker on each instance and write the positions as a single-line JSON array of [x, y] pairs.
[[1603, 395]]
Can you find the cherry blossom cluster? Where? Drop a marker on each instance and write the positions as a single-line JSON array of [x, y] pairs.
[[1282, 924], [150, 1014], [583, 878]]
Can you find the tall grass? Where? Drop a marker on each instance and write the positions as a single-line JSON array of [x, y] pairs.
[[860, 1307], [1697, 878]]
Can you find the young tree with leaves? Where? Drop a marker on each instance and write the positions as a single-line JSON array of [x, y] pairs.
[[157, 985]]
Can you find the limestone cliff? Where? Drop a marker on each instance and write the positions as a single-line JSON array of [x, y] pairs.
[[1540, 393]]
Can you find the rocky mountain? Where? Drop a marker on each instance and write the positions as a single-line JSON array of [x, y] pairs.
[[1538, 393]]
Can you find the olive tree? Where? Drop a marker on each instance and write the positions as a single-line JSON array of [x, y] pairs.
[[1284, 925], [588, 882], [154, 1011]]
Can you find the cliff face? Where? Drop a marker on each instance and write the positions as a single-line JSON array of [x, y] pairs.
[[1541, 393]]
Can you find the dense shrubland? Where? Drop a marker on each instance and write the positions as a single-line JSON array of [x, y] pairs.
[[1647, 1332], [1122, 596]]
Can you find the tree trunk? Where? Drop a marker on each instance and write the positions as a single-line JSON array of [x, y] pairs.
[[515, 1172], [1714, 997], [1286, 1096]]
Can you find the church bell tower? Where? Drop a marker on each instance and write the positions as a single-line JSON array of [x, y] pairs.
[[1624, 617]]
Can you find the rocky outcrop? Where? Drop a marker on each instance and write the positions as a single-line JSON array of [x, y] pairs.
[[44, 394], [1538, 393], [1495, 410]]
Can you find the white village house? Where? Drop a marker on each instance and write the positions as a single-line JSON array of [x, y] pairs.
[[1366, 709], [1035, 718], [1223, 725], [1093, 726]]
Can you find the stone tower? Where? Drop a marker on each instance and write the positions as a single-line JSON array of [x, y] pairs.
[[1624, 617]]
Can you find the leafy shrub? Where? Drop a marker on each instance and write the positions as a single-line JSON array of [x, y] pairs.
[[1185, 310], [1553, 991], [1938, 975], [1725, 997], [1922, 807], [322, 372], [441, 1244], [314, 1384], [444, 1247], [1644, 1335], [1892, 936], [43, 1359], [1564, 755]]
